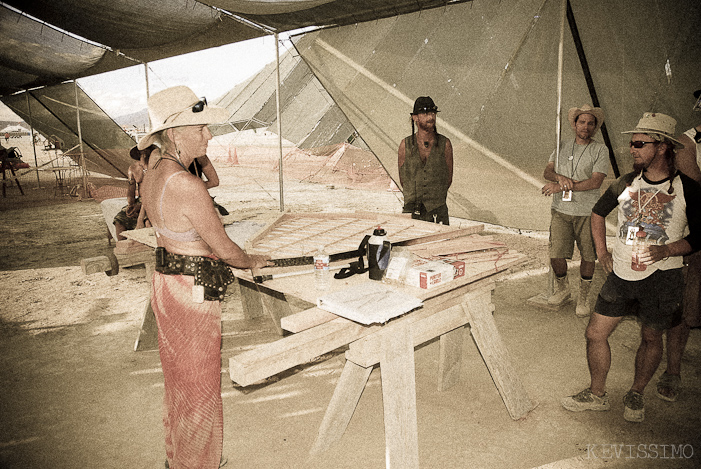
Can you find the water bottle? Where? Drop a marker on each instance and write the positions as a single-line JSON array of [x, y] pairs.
[[322, 276], [639, 245], [378, 253]]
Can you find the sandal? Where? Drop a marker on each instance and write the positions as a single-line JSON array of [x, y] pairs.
[[668, 387]]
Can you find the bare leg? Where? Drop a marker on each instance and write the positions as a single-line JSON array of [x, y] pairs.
[[676, 342], [648, 357], [559, 266], [598, 350], [118, 228], [586, 269]]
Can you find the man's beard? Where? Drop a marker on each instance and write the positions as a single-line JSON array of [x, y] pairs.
[[637, 167]]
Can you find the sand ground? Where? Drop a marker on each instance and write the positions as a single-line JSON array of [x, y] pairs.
[[74, 394]]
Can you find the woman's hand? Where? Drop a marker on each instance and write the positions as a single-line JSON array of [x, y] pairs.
[[258, 261]]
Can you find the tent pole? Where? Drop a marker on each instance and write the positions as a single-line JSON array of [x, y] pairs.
[[148, 95], [34, 147], [590, 84], [558, 125], [80, 139], [279, 122]]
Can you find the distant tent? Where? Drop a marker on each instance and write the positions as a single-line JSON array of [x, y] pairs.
[[52, 112]]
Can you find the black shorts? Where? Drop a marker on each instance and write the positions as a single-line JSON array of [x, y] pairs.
[[656, 300]]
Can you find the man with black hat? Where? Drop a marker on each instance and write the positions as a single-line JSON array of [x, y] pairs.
[[576, 178], [425, 160], [659, 221]]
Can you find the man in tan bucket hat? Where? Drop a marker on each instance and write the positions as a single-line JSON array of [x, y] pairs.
[[659, 209], [576, 178]]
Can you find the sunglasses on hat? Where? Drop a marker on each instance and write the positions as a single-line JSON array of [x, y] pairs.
[[199, 105]]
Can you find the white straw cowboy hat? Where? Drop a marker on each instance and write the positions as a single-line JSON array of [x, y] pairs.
[[597, 112], [176, 107], [657, 124]]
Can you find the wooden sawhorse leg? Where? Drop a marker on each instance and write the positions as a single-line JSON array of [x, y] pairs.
[[398, 397], [393, 348]]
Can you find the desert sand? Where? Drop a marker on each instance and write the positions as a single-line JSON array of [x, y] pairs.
[[76, 395]]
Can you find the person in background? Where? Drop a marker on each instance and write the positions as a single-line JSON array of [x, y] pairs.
[[132, 216], [659, 205], [425, 160], [203, 168], [669, 383], [581, 168], [192, 273]]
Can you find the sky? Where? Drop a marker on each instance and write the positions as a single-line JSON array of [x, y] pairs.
[[209, 73]]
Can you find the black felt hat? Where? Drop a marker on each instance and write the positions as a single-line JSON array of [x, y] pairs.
[[424, 104]]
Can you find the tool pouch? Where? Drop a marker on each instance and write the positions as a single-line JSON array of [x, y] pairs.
[[212, 275]]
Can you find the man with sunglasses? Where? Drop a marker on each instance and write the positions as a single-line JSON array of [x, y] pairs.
[[425, 160], [688, 162], [662, 206], [576, 177]]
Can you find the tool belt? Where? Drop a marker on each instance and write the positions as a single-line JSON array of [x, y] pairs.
[[211, 274]]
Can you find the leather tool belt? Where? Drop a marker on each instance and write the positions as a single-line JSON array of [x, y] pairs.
[[211, 274]]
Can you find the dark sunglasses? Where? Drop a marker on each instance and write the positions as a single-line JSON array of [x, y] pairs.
[[639, 144], [199, 105]]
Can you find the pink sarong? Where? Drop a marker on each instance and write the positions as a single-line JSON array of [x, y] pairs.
[[189, 343]]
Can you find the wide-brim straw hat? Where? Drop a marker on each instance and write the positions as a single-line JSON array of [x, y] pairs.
[[575, 112], [657, 124], [177, 107]]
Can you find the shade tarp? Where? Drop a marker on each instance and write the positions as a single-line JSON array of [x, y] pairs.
[[491, 67], [36, 51], [53, 114]]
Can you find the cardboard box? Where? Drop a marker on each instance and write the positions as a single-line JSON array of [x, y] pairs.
[[428, 274]]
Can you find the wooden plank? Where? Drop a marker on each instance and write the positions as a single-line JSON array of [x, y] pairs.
[[399, 399], [345, 399], [269, 359], [306, 319], [496, 356], [432, 321], [450, 358]]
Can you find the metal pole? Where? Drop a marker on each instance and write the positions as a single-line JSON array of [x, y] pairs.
[[80, 139], [560, 66], [147, 96], [34, 147], [558, 126], [279, 122]]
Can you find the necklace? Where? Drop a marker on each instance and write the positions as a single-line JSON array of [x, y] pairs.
[[168, 156], [571, 158], [426, 144]]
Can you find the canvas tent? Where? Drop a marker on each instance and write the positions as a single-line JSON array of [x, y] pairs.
[[310, 118], [492, 69], [107, 36]]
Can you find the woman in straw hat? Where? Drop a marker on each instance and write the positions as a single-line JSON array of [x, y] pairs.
[[192, 272]]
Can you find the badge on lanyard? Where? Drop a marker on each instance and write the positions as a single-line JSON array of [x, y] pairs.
[[630, 237], [566, 196]]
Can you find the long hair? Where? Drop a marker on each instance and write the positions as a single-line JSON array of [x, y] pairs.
[[413, 132], [670, 156]]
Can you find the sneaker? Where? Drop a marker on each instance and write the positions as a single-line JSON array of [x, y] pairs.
[[585, 400], [634, 406]]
